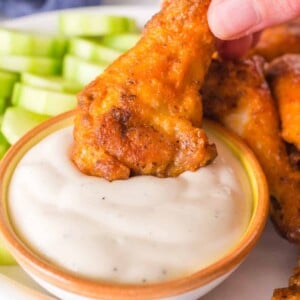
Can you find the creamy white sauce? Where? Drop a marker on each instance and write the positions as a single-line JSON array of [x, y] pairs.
[[144, 229]]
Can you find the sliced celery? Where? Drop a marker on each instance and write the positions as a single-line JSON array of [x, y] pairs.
[[17, 121], [3, 104], [33, 64], [53, 83], [121, 42], [4, 145], [5, 257], [80, 71], [89, 24], [22, 43], [7, 81], [92, 51], [42, 101]]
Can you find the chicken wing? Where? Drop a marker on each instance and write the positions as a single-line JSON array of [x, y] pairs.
[[143, 114], [290, 293], [237, 95], [293, 291], [283, 75], [294, 155], [279, 40]]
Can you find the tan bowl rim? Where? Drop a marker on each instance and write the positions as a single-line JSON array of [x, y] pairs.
[[89, 288]]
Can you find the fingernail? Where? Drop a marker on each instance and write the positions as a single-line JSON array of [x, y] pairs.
[[229, 19]]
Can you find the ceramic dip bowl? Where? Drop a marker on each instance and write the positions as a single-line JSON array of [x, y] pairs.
[[67, 284]]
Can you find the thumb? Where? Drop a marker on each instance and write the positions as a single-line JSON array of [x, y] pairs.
[[232, 19]]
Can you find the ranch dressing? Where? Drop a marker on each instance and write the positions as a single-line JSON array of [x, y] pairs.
[[141, 230]]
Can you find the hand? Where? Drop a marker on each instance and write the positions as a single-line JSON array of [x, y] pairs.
[[237, 23]]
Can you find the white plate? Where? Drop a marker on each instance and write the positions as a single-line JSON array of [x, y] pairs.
[[267, 267]]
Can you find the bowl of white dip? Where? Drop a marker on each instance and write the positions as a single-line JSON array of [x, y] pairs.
[[82, 237]]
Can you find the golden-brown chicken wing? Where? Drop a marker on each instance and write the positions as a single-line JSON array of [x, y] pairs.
[[279, 40], [237, 95], [290, 293], [294, 155], [284, 77], [144, 114], [293, 291]]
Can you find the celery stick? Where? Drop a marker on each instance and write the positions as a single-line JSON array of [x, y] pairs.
[[53, 83], [5, 257], [37, 65], [17, 121], [22, 43], [42, 101], [80, 71], [4, 145], [89, 24], [121, 42], [92, 51], [7, 81]]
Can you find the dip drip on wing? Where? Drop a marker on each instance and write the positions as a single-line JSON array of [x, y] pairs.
[[144, 114], [237, 95]]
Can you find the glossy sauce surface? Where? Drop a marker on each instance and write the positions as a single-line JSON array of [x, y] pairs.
[[141, 230]]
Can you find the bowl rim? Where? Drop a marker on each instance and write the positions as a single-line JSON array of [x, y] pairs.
[[94, 289]]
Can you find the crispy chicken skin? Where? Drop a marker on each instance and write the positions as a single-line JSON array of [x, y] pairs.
[[293, 291], [143, 114], [279, 40], [294, 155], [290, 293], [284, 77], [237, 95]]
